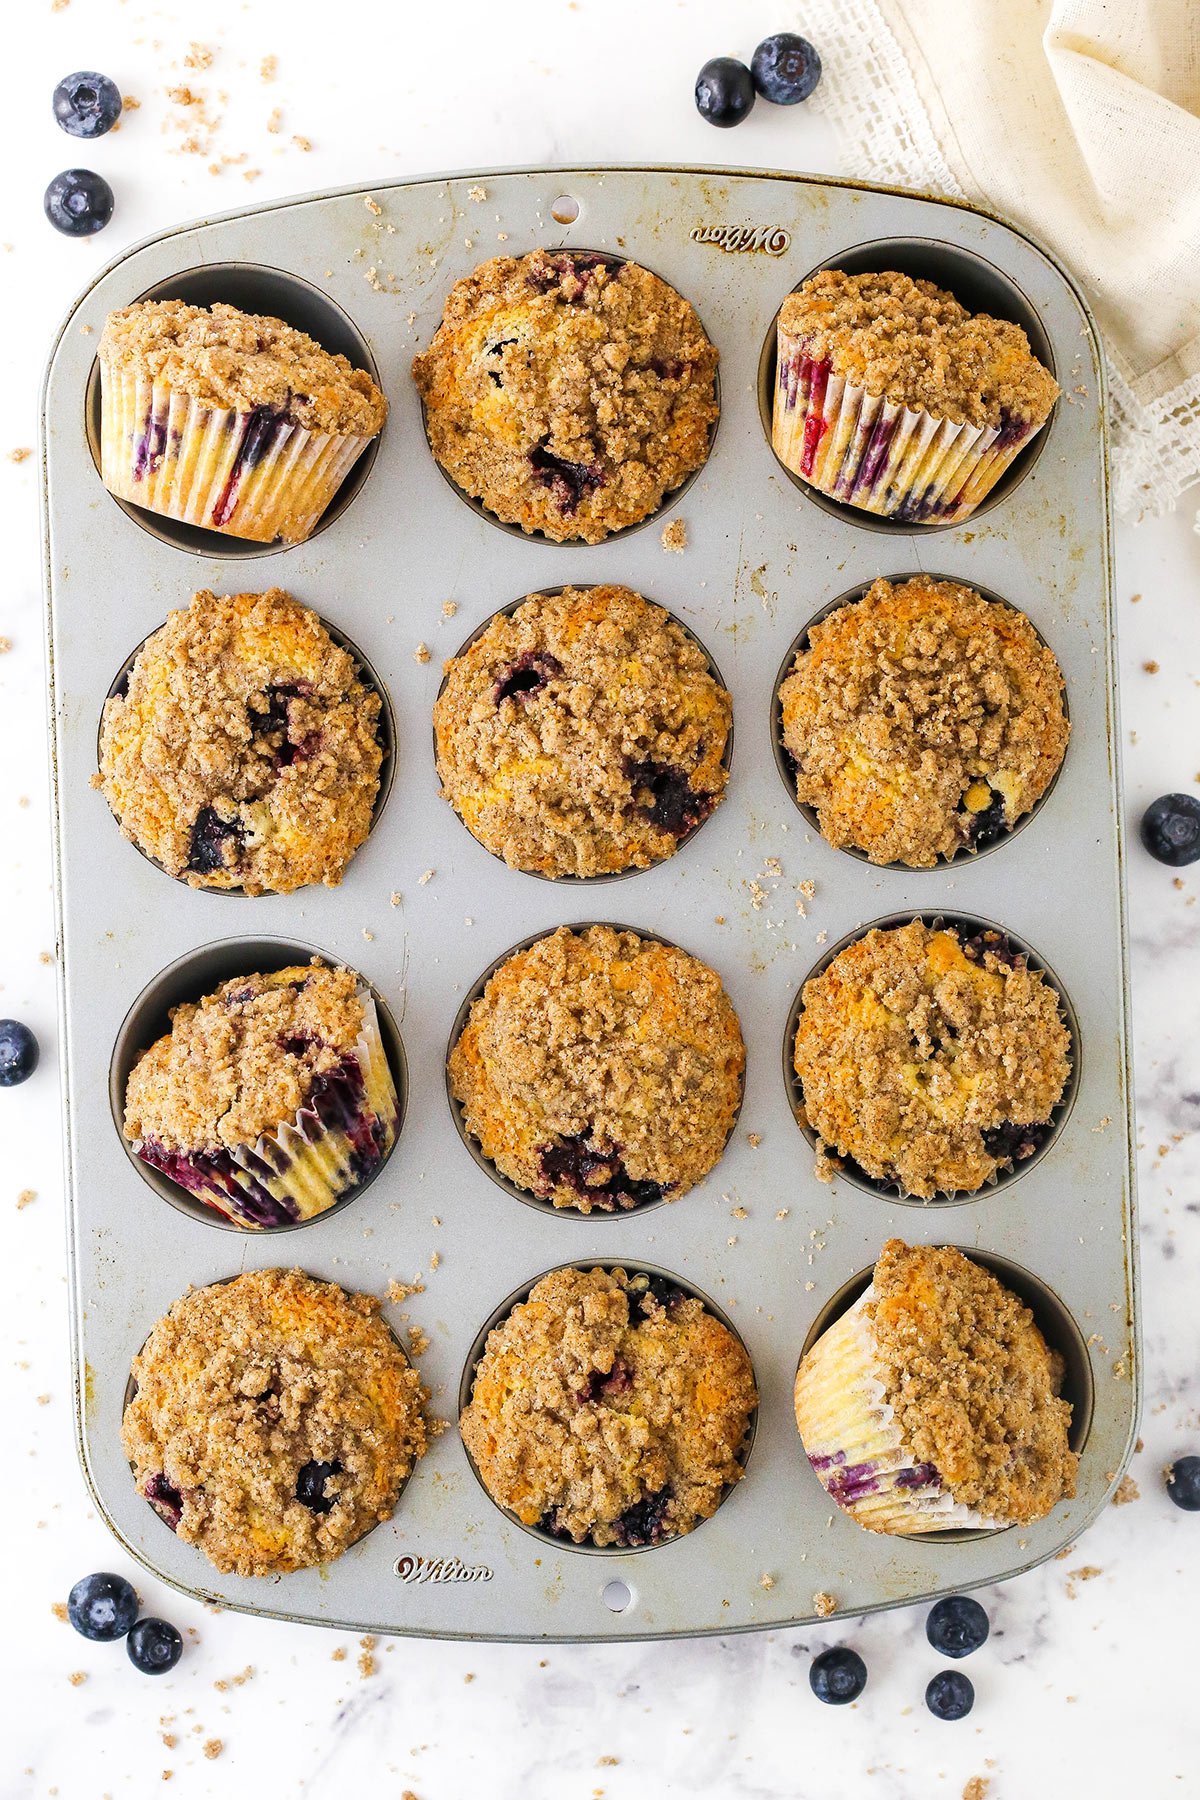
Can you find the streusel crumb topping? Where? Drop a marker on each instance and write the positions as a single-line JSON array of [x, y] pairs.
[[568, 391], [274, 1420], [582, 734], [930, 1060], [230, 358], [976, 1390], [611, 1408], [917, 345], [239, 1062], [922, 719]]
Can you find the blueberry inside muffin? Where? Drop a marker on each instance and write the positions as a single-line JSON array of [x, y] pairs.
[[243, 749], [274, 1421], [929, 1059], [610, 1408], [600, 1070], [582, 734], [568, 391], [922, 720]]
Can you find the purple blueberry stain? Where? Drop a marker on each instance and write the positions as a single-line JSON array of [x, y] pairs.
[[148, 447], [673, 804], [1011, 1143], [258, 433], [991, 943], [531, 671], [216, 844], [569, 482], [662, 1294], [597, 1176], [166, 1500], [989, 824], [576, 268], [645, 1522]]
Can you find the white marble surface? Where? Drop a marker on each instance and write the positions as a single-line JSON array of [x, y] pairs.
[[1094, 1673]]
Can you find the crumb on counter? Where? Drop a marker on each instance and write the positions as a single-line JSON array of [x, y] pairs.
[[824, 1605], [674, 536], [1126, 1490]]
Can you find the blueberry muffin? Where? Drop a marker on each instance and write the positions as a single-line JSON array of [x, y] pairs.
[[930, 1059], [582, 734], [922, 720], [243, 749], [269, 1099], [935, 1403], [274, 1421], [891, 396], [570, 392], [228, 420], [600, 1069], [610, 1409]]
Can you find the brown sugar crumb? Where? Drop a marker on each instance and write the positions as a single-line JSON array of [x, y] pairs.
[[568, 393], [932, 1060], [824, 1605], [608, 1411], [1151, 668], [1126, 1491], [922, 720], [674, 535], [600, 1069], [59, 1609], [25, 1198], [367, 1664], [976, 1788], [213, 1748], [20, 454], [77, 1677], [183, 96]]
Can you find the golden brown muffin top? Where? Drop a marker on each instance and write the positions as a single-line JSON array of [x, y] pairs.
[[922, 719], [582, 734], [600, 1069], [931, 1060], [230, 358], [611, 1408], [240, 1062], [976, 1390], [274, 1421], [568, 391], [917, 345], [244, 749]]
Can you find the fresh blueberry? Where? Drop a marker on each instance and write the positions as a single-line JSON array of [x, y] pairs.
[[724, 91], [310, 1486], [1183, 1482], [837, 1676], [78, 202], [950, 1695], [102, 1607], [154, 1646], [957, 1625], [785, 68], [87, 105], [1171, 829], [18, 1053]]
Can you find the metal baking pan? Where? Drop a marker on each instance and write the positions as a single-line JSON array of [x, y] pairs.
[[367, 269]]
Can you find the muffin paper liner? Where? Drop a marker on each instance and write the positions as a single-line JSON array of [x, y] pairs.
[[851, 1438], [873, 453], [308, 1163], [248, 474]]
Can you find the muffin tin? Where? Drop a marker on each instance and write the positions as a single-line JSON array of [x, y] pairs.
[[367, 270]]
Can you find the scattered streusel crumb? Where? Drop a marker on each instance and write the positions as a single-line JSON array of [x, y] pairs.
[[607, 1762], [418, 1340], [213, 1748], [5, 645], [422, 653], [77, 1677], [1150, 667], [25, 1198], [268, 68], [396, 898], [476, 193], [59, 1609], [449, 608], [400, 1291], [339, 1655], [766, 1581], [302, 143], [275, 120], [824, 1604], [199, 56], [435, 1260], [754, 1139], [426, 877], [674, 535], [976, 1788], [20, 453], [1127, 1489], [366, 1662]]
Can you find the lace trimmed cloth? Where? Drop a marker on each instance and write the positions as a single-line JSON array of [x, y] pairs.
[[1079, 120]]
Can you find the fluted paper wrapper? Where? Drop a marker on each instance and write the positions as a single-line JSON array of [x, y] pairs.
[[869, 452], [311, 1161], [851, 1438], [247, 474]]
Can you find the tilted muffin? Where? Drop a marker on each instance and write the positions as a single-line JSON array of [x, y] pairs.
[[934, 1402], [610, 1409], [243, 749], [922, 720], [600, 1069], [568, 391], [890, 395], [233, 421], [930, 1059], [269, 1099], [274, 1421], [582, 734]]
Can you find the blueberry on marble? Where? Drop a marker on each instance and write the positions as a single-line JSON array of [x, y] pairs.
[[1171, 829], [724, 91], [102, 1607], [78, 202], [86, 104], [957, 1625], [1183, 1483], [18, 1053], [785, 68], [950, 1695], [837, 1676], [154, 1646], [310, 1486]]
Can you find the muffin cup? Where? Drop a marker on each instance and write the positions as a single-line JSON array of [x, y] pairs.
[[873, 453], [309, 1162], [851, 1438], [248, 474]]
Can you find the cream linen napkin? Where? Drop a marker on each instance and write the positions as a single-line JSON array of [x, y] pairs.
[[1079, 119]]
